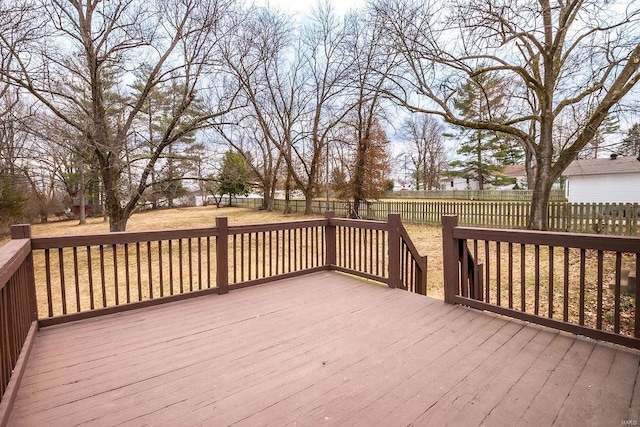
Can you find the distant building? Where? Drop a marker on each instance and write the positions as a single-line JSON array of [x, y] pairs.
[[611, 180], [458, 183]]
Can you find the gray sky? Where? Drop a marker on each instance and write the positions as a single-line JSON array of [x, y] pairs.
[[302, 6]]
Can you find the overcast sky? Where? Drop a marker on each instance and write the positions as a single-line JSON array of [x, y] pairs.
[[302, 6]]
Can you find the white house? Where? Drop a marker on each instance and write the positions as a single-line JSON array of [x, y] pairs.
[[458, 183], [611, 180]]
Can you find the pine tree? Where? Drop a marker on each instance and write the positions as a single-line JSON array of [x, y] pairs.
[[485, 153], [630, 145]]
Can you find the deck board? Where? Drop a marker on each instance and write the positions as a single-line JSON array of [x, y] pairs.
[[322, 349]]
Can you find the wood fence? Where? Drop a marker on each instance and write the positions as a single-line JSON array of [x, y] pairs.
[[488, 195], [579, 283], [599, 218]]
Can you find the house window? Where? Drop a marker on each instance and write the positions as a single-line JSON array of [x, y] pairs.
[[451, 183]]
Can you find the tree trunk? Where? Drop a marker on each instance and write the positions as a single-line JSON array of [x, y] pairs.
[[529, 168], [287, 192], [358, 175], [308, 201], [118, 220], [266, 192], [270, 198], [82, 213]]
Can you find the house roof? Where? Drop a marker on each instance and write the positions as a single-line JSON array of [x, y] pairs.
[[603, 166], [514, 171]]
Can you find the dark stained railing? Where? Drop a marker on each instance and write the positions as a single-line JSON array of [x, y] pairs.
[[89, 275], [18, 321], [77, 277], [581, 283]]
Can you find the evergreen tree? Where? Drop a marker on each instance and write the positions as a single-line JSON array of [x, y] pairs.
[[485, 153], [630, 145], [235, 176]]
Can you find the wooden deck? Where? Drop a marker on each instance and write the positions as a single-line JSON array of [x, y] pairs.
[[322, 349]]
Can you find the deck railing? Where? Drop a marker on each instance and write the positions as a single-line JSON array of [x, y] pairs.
[[17, 313], [77, 277], [89, 275], [581, 283]]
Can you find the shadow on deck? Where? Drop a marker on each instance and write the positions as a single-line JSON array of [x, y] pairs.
[[322, 349]]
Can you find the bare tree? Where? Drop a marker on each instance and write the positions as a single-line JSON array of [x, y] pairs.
[[371, 65], [260, 58], [76, 56], [424, 138], [326, 68], [575, 58]]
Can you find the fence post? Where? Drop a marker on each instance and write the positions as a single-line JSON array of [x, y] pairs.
[[330, 239], [393, 222], [450, 259], [23, 231], [222, 255]]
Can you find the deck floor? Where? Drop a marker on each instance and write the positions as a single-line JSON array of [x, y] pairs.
[[322, 349]]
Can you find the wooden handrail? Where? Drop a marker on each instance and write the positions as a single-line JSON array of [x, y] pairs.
[[529, 237], [543, 297]]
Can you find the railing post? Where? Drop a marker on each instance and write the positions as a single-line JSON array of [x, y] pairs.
[[394, 221], [450, 259], [421, 276], [222, 255], [330, 239], [23, 231]]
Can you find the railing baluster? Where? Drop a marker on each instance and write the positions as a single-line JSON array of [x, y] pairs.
[[523, 295], [103, 285], [599, 290], [115, 274], [90, 276], [234, 249], [160, 269], [617, 290], [510, 273], [208, 263], [150, 270], [264, 254], [139, 271], [76, 278], [271, 253], [536, 303], [565, 314], [636, 323], [487, 280], [190, 259], [249, 255], [199, 263], [127, 278], [242, 258], [582, 284], [170, 250], [63, 292], [551, 282], [498, 274]]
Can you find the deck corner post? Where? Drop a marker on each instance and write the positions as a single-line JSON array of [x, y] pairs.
[[450, 258], [23, 231], [330, 239], [394, 222], [222, 255]]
